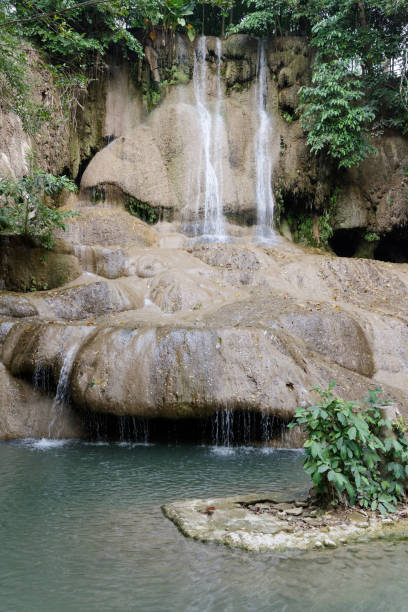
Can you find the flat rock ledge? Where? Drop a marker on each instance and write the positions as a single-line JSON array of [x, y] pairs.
[[272, 523]]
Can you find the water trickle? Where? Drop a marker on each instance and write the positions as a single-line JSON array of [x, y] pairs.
[[263, 153], [223, 428], [209, 218], [62, 394]]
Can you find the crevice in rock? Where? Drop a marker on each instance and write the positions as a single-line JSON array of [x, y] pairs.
[[84, 164]]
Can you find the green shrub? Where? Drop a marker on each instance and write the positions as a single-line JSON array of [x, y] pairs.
[[371, 237], [349, 458], [24, 211], [143, 211]]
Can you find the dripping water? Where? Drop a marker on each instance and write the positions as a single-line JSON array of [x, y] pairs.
[[209, 218], [223, 429], [263, 154]]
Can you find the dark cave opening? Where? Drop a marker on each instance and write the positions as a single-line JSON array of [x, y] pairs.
[[357, 242], [224, 428], [393, 247], [345, 242]]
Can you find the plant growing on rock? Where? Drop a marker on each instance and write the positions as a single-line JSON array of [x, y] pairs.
[[23, 209], [353, 454]]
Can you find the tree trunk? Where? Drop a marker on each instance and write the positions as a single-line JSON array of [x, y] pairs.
[[152, 60], [363, 17]]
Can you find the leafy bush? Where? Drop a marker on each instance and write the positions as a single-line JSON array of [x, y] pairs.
[[336, 125], [371, 237], [352, 453], [23, 210], [143, 211]]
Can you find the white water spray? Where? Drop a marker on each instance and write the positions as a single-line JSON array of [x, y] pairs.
[[263, 154], [209, 177]]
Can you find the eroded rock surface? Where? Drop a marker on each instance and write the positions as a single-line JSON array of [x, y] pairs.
[[176, 332], [272, 522], [26, 413]]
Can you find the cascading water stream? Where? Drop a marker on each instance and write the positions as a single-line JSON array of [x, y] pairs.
[[263, 154], [61, 395], [209, 175]]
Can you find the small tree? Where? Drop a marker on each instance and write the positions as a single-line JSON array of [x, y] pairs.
[[23, 210], [353, 454]]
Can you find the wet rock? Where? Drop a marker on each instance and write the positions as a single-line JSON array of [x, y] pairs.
[[26, 413], [318, 329], [93, 299], [294, 511], [148, 266], [174, 291], [229, 257], [263, 532], [16, 306]]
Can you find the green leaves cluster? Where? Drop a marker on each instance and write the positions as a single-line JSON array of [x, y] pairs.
[[348, 457], [24, 210], [334, 114], [359, 84]]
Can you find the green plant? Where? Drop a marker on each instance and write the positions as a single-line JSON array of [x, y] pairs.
[[36, 286], [338, 125], [23, 208], [325, 229], [371, 237], [143, 211], [288, 117], [349, 457], [279, 201]]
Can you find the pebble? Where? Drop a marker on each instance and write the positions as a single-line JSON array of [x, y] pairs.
[[318, 544], [329, 543], [294, 511]]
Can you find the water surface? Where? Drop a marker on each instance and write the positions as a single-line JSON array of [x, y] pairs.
[[81, 529]]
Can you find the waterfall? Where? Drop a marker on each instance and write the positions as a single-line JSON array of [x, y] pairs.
[[263, 154], [222, 428], [62, 393], [209, 176]]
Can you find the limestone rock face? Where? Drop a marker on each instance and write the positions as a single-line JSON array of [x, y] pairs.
[[374, 194], [24, 267], [154, 158], [189, 335], [26, 413], [51, 141]]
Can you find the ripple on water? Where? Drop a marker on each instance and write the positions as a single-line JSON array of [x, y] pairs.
[[82, 529]]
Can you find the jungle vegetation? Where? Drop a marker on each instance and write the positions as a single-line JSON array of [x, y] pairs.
[[359, 85]]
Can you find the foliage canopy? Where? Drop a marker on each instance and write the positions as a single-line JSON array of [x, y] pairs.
[[359, 84]]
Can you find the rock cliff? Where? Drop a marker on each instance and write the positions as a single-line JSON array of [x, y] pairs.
[[158, 324]]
